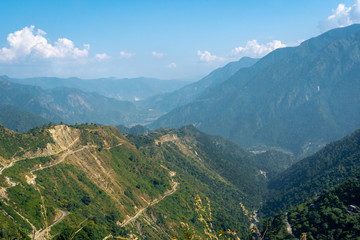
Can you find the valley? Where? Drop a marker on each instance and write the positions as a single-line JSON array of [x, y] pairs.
[[218, 169], [295, 99], [262, 147]]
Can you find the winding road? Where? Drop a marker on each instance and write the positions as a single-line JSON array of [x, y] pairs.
[[69, 152], [133, 218], [41, 234], [8, 166]]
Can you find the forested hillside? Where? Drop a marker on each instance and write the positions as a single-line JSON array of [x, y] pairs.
[[88, 181], [335, 214], [332, 165], [70, 105], [22, 121], [168, 101], [296, 98]]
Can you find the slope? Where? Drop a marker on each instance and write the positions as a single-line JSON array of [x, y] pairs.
[[69, 105], [335, 214], [169, 101], [296, 98], [135, 130], [88, 172], [332, 165], [21, 121], [216, 178], [128, 89], [90, 182]]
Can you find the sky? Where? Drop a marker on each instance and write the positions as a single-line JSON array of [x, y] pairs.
[[173, 39]]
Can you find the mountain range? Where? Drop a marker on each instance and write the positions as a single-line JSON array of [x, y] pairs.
[[126, 89], [270, 170], [295, 98], [70, 105], [168, 101], [91, 182], [18, 120]]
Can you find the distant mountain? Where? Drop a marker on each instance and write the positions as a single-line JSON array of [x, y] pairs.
[[168, 101], [307, 178], [129, 89], [18, 120], [69, 105], [135, 130], [295, 98]]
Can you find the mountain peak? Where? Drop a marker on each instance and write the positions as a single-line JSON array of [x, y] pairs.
[[295, 98]]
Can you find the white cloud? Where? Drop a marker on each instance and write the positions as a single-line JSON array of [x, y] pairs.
[[206, 56], [172, 65], [28, 42], [158, 54], [101, 56], [254, 49], [342, 16], [126, 54]]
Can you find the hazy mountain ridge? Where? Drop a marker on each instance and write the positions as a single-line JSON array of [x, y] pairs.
[[70, 105], [188, 93], [128, 89], [16, 119], [296, 98], [64, 100]]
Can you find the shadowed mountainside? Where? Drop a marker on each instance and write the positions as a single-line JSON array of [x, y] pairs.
[[296, 98]]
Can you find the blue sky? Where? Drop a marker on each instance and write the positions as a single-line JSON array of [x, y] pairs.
[[163, 39]]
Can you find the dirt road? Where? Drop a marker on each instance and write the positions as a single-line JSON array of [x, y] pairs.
[[133, 218], [42, 234]]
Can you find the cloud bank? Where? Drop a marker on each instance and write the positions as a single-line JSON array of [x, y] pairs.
[[158, 54], [342, 16], [172, 65], [206, 56], [126, 54], [28, 42], [101, 56], [256, 50]]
